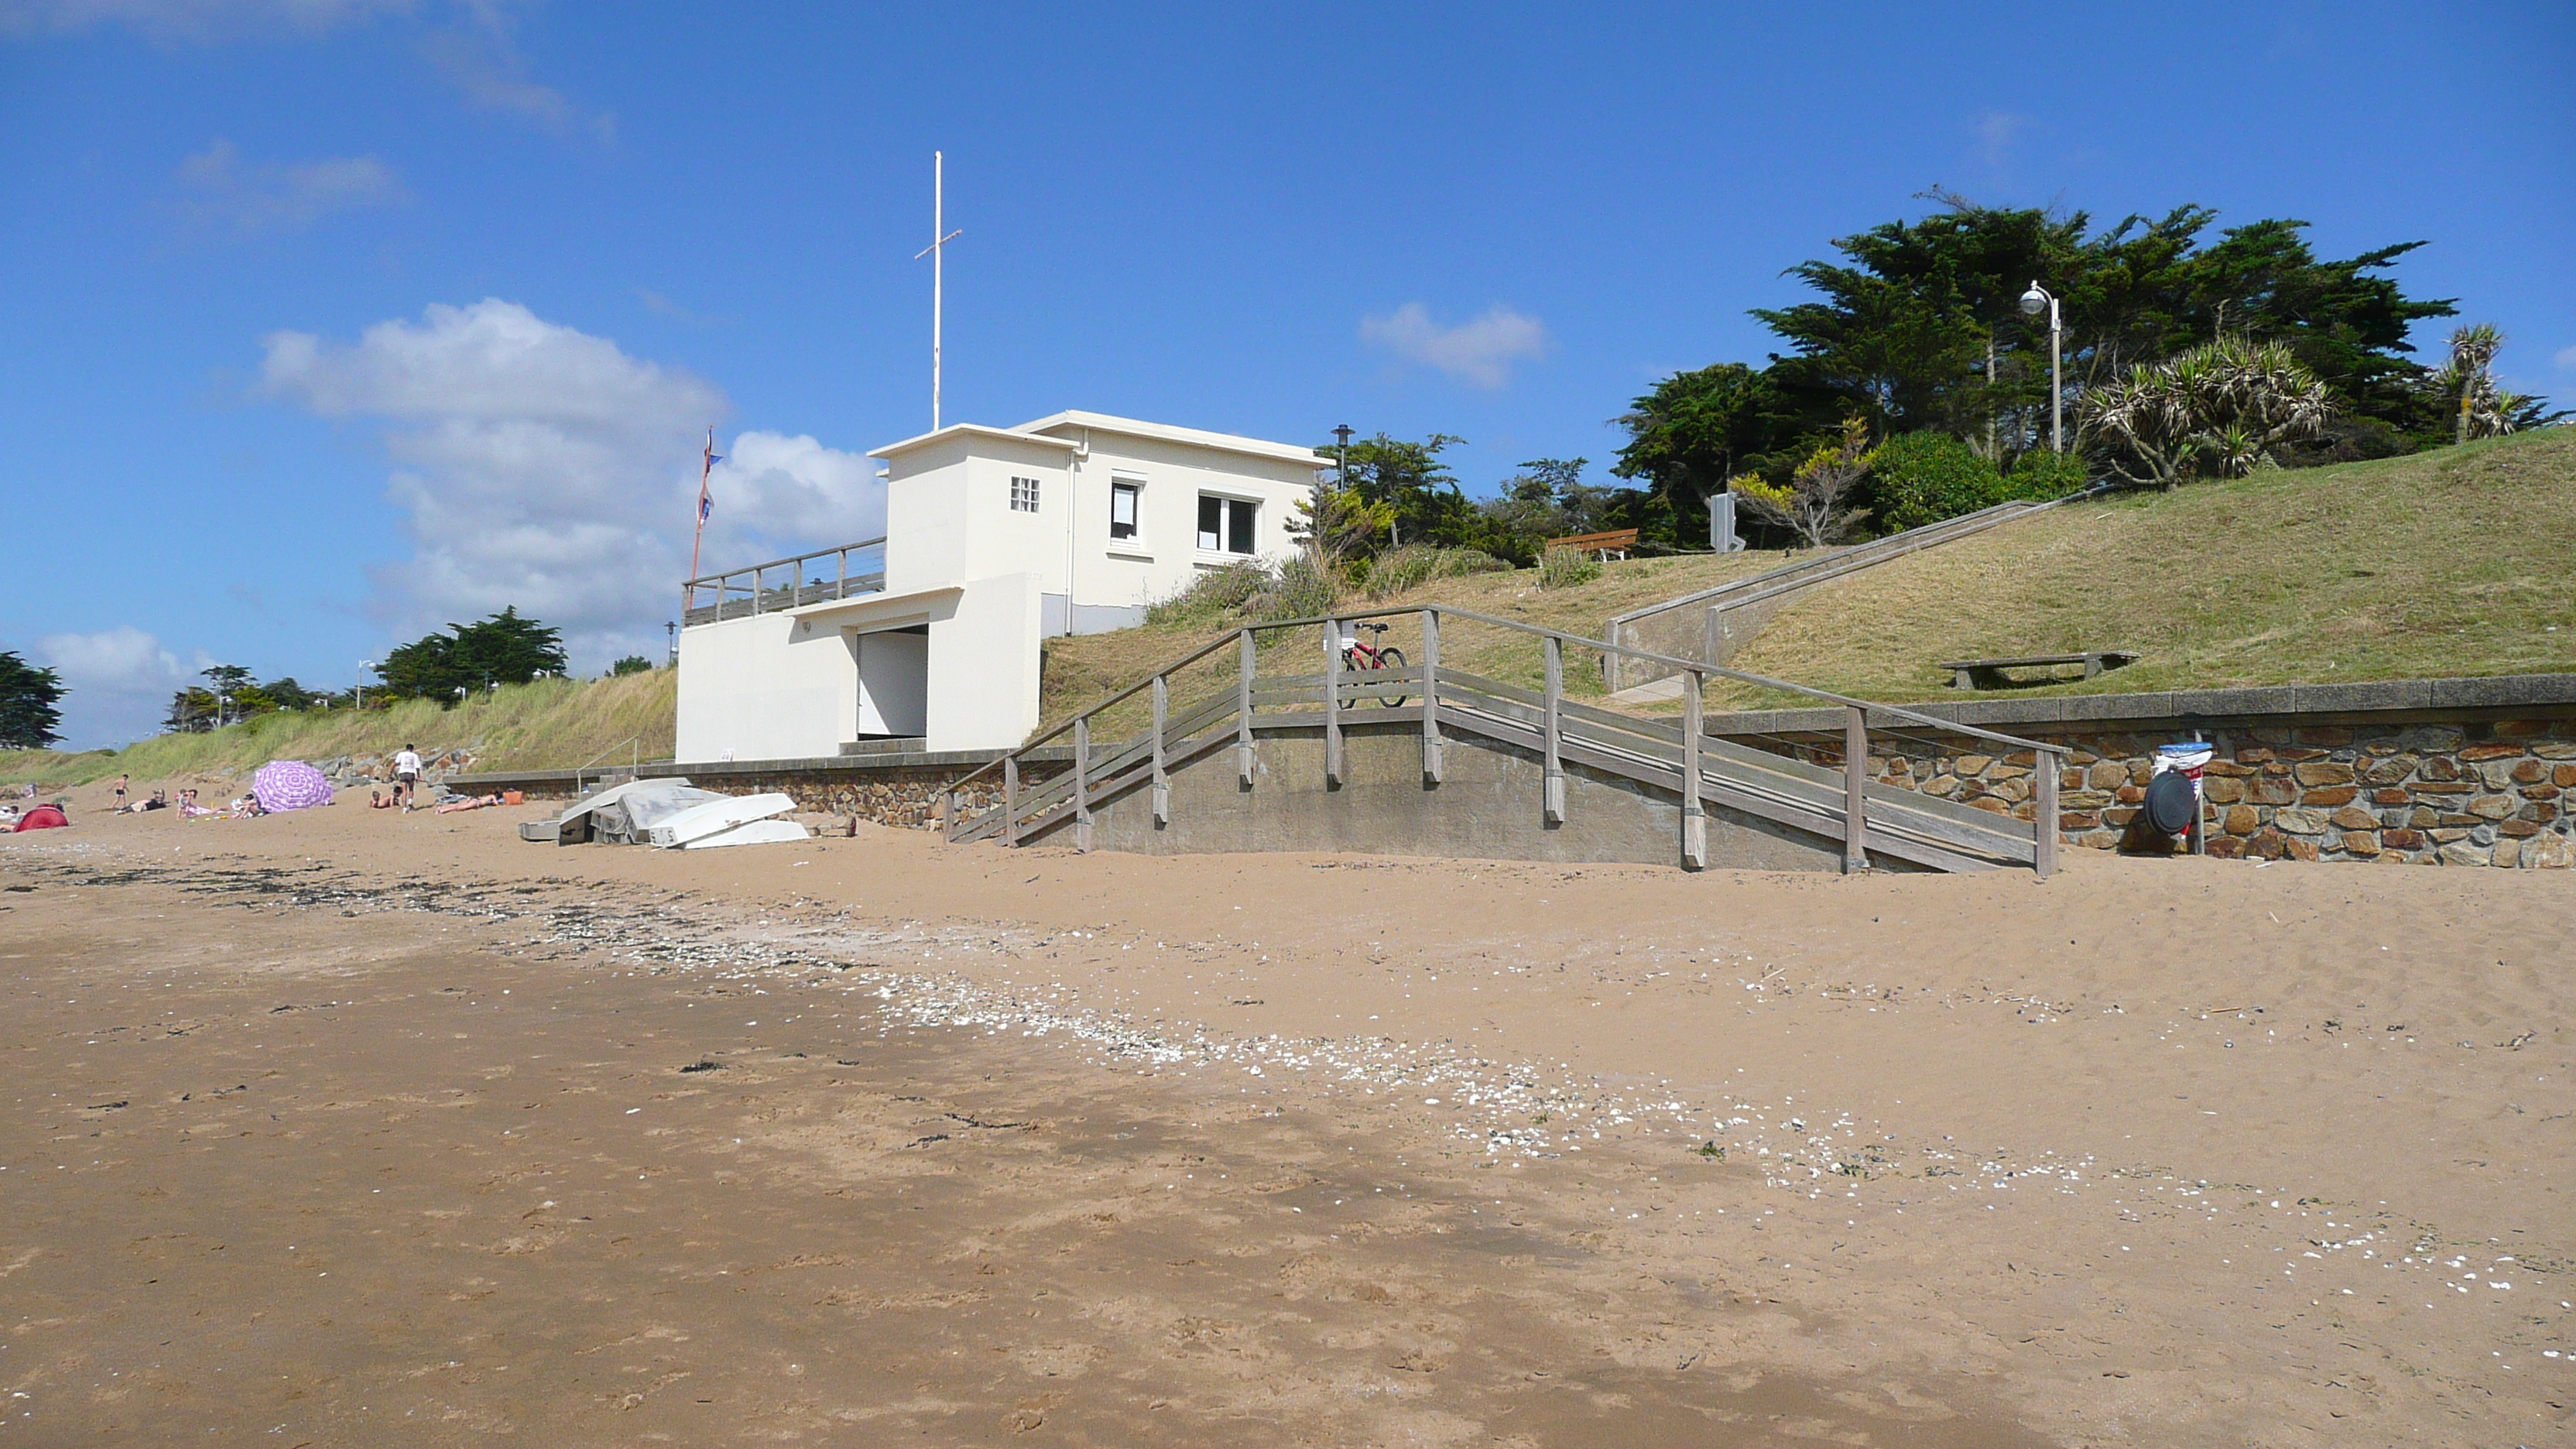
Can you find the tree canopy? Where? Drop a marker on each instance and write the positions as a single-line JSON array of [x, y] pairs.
[[29, 719], [503, 649]]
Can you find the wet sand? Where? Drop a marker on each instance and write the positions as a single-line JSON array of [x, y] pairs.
[[350, 1128]]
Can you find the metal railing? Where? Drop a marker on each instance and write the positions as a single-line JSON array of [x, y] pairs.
[[785, 583], [1702, 769]]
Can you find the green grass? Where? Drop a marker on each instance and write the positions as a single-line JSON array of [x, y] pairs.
[[552, 723], [2450, 563]]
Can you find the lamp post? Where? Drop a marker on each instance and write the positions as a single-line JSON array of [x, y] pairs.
[[2031, 301], [364, 667], [671, 631]]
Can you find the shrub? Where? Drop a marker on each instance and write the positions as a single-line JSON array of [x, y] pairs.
[[1410, 567], [1560, 568], [1216, 594], [1923, 478], [2041, 475], [1302, 589]]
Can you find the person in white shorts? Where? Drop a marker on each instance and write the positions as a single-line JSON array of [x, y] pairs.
[[407, 776]]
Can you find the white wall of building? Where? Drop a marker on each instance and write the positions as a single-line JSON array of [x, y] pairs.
[[763, 689]]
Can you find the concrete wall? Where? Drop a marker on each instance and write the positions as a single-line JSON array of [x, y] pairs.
[[765, 688], [1487, 807]]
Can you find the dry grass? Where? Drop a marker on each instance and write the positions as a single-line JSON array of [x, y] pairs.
[[552, 723], [1081, 671], [2445, 564]]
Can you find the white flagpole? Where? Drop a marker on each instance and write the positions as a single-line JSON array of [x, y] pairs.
[[937, 251]]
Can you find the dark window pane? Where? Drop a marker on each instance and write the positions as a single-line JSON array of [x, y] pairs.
[[1211, 522], [1239, 534]]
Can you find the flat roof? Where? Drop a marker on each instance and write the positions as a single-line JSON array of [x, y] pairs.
[[1043, 433], [953, 430]]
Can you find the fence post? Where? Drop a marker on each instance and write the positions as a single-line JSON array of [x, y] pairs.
[[1332, 704], [1162, 781], [948, 816], [1431, 744], [1694, 819], [1010, 799], [1855, 776], [1554, 788], [1243, 751], [757, 602], [1082, 783], [2043, 858], [1614, 667]]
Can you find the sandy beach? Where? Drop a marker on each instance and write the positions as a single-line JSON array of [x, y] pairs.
[[352, 1127]]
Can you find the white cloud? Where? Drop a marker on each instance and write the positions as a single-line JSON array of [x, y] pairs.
[[197, 20], [480, 58], [273, 196], [117, 682], [1996, 133], [542, 467], [1481, 351]]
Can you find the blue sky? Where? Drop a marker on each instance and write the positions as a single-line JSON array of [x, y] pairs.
[[329, 321]]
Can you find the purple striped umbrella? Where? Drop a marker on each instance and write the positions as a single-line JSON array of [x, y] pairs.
[[289, 785]]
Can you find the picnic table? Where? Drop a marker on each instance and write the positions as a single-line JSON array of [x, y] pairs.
[[1617, 540], [1989, 673]]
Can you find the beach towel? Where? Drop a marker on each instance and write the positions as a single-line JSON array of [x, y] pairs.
[[289, 785]]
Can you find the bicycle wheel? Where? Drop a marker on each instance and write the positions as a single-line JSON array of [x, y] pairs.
[[1391, 659]]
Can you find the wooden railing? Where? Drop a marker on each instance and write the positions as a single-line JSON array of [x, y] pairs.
[[1840, 803], [785, 583]]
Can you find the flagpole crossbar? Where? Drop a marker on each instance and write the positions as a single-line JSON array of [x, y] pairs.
[[937, 251]]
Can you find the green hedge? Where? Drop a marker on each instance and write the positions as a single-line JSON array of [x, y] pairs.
[[1923, 478]]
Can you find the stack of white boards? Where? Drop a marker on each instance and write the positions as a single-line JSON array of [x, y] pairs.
[[670, 814]]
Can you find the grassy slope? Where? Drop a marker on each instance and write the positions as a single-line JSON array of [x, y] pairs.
[[1082, 670], [2445, 564], [551, 723]]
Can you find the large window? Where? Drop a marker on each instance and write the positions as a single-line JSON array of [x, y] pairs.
[[1123, 498], [1024, 495], [1227, 525]]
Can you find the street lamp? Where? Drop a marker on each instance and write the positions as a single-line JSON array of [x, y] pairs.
[[365, 666], [671, 631], [2031, 301]]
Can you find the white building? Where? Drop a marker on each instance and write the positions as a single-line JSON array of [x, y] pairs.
[[996, 539]]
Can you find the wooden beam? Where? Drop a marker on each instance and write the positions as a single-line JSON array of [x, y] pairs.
[[1010, 799], [1162, 776], [1694, 819], [2043, 859], [1554, 788], [1332, 704], [1855, 800], [1431, 742], [1243, 750], [1082, 783]]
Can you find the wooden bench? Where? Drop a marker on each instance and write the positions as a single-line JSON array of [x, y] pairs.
[[1617, 540], [1989, 673]]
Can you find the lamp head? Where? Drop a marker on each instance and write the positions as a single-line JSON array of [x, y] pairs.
[[2034, 301]]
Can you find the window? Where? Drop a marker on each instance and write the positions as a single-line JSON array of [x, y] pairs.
[[1122, 508], [1024, 495], [1226, 524]]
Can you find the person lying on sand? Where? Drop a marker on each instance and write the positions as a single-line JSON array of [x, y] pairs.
[[470, 802], [376, 801]]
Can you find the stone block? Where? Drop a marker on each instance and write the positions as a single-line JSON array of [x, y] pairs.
[[2300, 822], [2222, 792], [2489, 750], [2225, 847], [2130, 794], [2506, 855], [2300, 848], [2494, 807], [2268, 843], [2324, 737], [2504, 689], [2271, 792], [2523, 729], [2297, 756], [2423, 817], [2402, 839], [2390, 770], [2079, 819], [2353, 817], [2517, 829], [2542, 811], [2563, 776], [2251, 755], [2549, 852], [1965, 765], [2444, 787], [2429, 738], [2241, 820], [2498, 774], [2527, 772], [2324, 772], [2555, 750], [1941, 785], [2360, 842], [2441, 767], [2099, 840], [2005, 772], [2085, 799], [2455, 820], [2331, 795], [2459, 854], [2389, 797], [2447, 834], [2011, 789], [1990, 804], [2226, 767], [2276, 770], [2539, 792], [2118, 818]]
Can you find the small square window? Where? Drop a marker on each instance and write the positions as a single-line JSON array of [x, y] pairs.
[[1024, 495], [1122, 509]]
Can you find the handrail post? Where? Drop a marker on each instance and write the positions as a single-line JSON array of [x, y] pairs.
[[2044, 824], [1694, 819], [948, 816], [1855, 777], [1552, 791], [1162, 780], [1082, 782], [1332, 704], [841, 582], [1011, 799], [757, 601], [1243, 750], [1431, 744]]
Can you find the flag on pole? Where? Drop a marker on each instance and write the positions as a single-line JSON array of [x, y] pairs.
[[706, 502]]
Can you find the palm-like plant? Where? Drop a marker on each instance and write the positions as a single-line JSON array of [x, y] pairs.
[[2467, 381], [2221, 408]]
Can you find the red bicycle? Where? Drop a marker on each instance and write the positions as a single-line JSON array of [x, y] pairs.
[[1359, 656]]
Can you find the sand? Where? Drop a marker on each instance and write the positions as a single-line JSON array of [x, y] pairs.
[[350, 1127]]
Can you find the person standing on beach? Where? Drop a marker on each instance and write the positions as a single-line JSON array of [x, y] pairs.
[[120, 793], [407, 776]]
